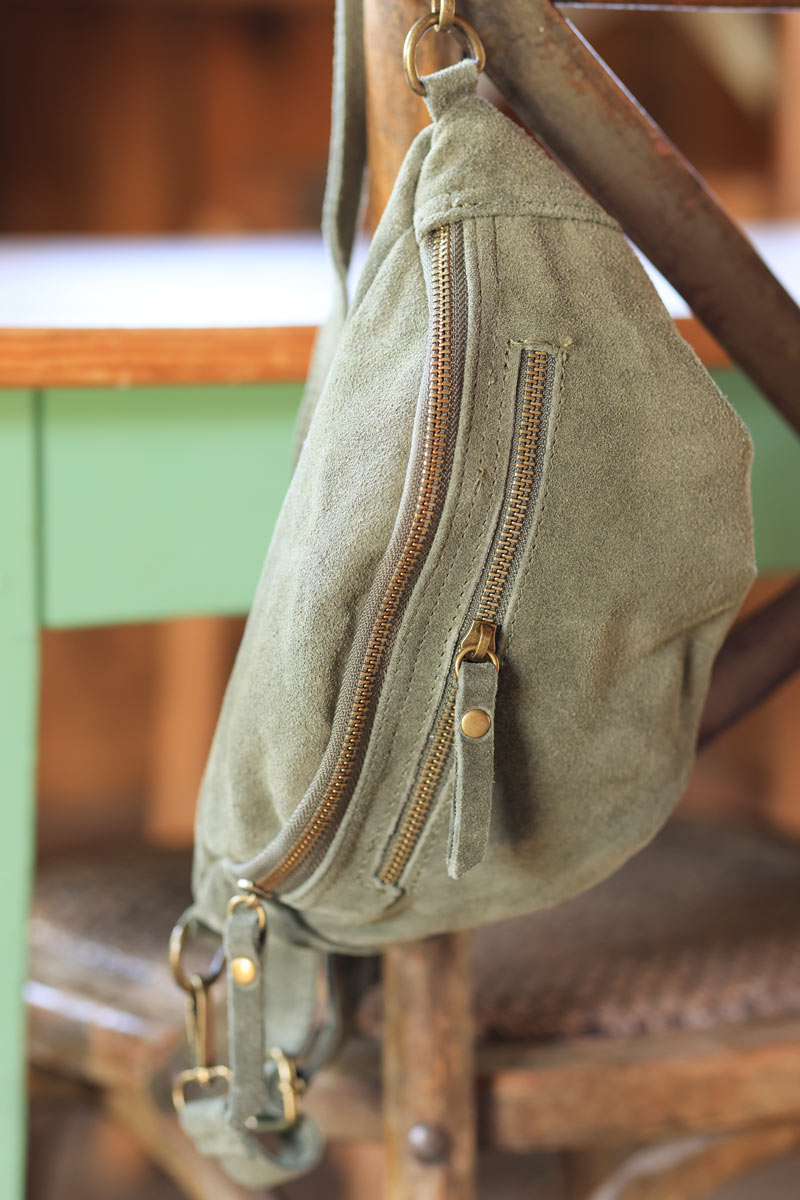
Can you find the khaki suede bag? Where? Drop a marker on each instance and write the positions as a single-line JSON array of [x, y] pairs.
[[516, 534]]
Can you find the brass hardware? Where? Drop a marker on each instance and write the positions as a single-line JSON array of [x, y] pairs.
[[249, 901], [290, 1088], [432, 21], [432, 482], [177, 943], [202, 1076], [475, 723], [479, 644], [244, 971], [446, 12], [198, 1031], [247, 885], [289, 1085]]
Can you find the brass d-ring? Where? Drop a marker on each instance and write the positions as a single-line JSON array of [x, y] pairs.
[[417, 32], [249, 901]]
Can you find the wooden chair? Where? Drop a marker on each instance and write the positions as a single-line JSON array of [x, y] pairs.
[[559, 1068], [662, 1007]]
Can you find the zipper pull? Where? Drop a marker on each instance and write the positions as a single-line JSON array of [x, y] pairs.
[[477, 670]]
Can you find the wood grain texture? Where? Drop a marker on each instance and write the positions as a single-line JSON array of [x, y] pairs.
[[37, 358], [428, 1067], [699, 1168], [787, 107], [687, 5], [606, 1092], [617, 1091]]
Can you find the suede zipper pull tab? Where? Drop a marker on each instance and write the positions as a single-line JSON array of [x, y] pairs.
[[471, 814]]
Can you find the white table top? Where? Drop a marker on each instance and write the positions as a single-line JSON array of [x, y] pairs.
[[200, 282]]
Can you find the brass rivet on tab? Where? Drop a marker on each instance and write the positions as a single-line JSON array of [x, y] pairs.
[[475, 723], [244, 971]]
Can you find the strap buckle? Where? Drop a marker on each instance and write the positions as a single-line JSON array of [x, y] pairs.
[[202, 1076], [290, 1087], [289, 1084]]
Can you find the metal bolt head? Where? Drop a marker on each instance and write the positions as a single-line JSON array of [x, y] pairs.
[[475, 723], [430, 1143], [244, 971]]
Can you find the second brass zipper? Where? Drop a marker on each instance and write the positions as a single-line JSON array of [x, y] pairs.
[[479, 642]]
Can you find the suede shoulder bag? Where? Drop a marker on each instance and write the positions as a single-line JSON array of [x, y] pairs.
[[516, 534]]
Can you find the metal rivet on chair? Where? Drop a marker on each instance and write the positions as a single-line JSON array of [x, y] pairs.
[[430, 1143]]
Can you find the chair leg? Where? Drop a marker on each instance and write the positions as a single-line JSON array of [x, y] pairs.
[[428, 1072], [19, 649], [691, 1169], [197, 1177]]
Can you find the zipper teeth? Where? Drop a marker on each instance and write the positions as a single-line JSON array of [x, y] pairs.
[[436, 758], [432, 480], [527, 449]]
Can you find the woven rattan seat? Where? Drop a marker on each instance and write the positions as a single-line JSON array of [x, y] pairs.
[[701, 929]]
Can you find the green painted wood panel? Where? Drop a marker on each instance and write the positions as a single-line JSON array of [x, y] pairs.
[[776, 475], [19, 639], [160, 502]]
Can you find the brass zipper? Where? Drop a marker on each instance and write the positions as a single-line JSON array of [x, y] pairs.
[[479, 642], [432, 481]]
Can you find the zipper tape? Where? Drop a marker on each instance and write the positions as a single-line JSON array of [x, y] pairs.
[[535, 384]]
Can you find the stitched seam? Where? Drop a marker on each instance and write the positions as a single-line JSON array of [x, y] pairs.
[[430, 215]]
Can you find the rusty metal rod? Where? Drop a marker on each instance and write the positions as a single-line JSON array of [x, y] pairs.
[[758, 656], [567, 95], [686, 5]]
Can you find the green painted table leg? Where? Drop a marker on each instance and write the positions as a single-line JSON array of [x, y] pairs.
[[19, 636]]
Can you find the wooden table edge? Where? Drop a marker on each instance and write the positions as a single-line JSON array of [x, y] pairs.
[[53, 358]]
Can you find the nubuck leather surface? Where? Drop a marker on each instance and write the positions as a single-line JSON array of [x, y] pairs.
[[515, 466]]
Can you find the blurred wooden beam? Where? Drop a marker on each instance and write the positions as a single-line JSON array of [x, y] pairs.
[[687, 5], [310, 6], [760, 654], [428, 1070], [34, 358], [787, 118], [192, 666], [50, 358]]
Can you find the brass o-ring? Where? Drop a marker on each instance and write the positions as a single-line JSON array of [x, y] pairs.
[[417, 32], [177, 941]]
